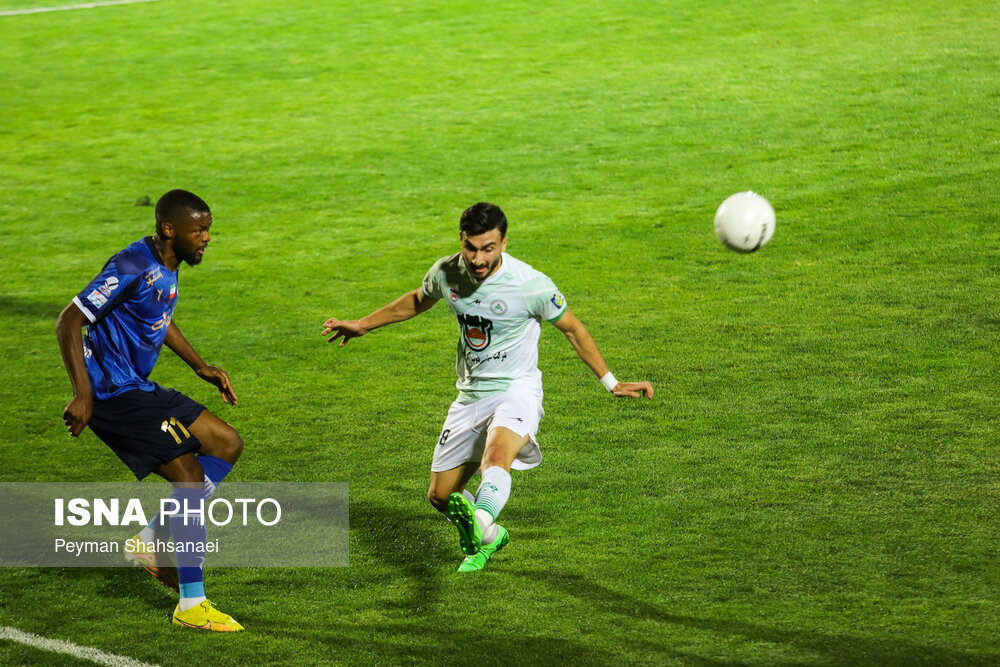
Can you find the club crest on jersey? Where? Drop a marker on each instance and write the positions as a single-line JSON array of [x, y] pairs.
[[476, 331], [453, 295], [498, 306]]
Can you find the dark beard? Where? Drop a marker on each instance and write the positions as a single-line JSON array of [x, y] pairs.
[[489, 272], [192, 259]]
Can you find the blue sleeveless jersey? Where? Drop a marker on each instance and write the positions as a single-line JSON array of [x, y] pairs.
[[129, 304]]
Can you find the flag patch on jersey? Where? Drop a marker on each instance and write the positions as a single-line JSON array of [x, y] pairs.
[[173, 291], [97, 299]]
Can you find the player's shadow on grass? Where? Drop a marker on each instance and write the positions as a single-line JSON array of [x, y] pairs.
[[113, 583], [420, 550], [473, 642], [840, 649], [407, 554], [29, 308], [406, 541]]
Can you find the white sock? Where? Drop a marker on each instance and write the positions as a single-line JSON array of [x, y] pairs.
[[147, 534], [490, 534], [493, 492], [188, 603], [485, 521]]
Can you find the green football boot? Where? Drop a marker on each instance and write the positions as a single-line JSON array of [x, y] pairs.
[[478, 561], [463, 514]]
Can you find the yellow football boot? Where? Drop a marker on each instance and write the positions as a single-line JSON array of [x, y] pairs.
[[161, 566], [205, 617]]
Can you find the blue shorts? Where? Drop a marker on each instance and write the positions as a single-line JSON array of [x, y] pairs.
[[147, 428]]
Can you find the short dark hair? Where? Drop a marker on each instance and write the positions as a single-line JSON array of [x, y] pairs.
[[481, 218], [178, 205]]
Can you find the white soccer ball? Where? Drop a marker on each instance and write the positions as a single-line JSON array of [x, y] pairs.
[[744, 222]]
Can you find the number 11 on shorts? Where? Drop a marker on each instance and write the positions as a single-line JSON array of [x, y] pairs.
[[168, 427]]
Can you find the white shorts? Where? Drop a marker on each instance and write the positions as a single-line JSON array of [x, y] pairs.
[[463, 436]]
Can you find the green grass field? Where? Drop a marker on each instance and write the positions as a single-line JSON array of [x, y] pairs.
[[817, 479]]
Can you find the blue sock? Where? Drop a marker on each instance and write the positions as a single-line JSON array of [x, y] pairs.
[[189, 530], [191, 582], [148, 533], [191, 577], [215, 469]]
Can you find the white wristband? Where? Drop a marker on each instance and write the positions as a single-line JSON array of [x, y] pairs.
[[609, 381]]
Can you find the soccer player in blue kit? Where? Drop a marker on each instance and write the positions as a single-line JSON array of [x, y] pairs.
[[128, 310]]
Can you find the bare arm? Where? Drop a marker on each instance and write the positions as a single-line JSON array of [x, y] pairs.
[[409, 305], [69, 333], [585, 347], [176, 341]]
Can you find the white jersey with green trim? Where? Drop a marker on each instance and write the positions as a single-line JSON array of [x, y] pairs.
[[499, 323]]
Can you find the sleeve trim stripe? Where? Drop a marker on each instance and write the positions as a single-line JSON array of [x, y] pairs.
[[84, 309], [557, 318]]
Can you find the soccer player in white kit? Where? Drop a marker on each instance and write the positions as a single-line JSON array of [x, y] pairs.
[[500, 302]]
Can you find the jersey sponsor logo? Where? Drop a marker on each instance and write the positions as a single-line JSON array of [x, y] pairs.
[[152, 276], [164, 321], [96, 298], [109, 286], [498, 306], [558, 301], [476, 360], [476, 331]]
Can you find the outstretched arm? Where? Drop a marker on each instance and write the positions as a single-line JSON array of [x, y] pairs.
[[409, 305], [176, 341], [586, 348], [69, 332]]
